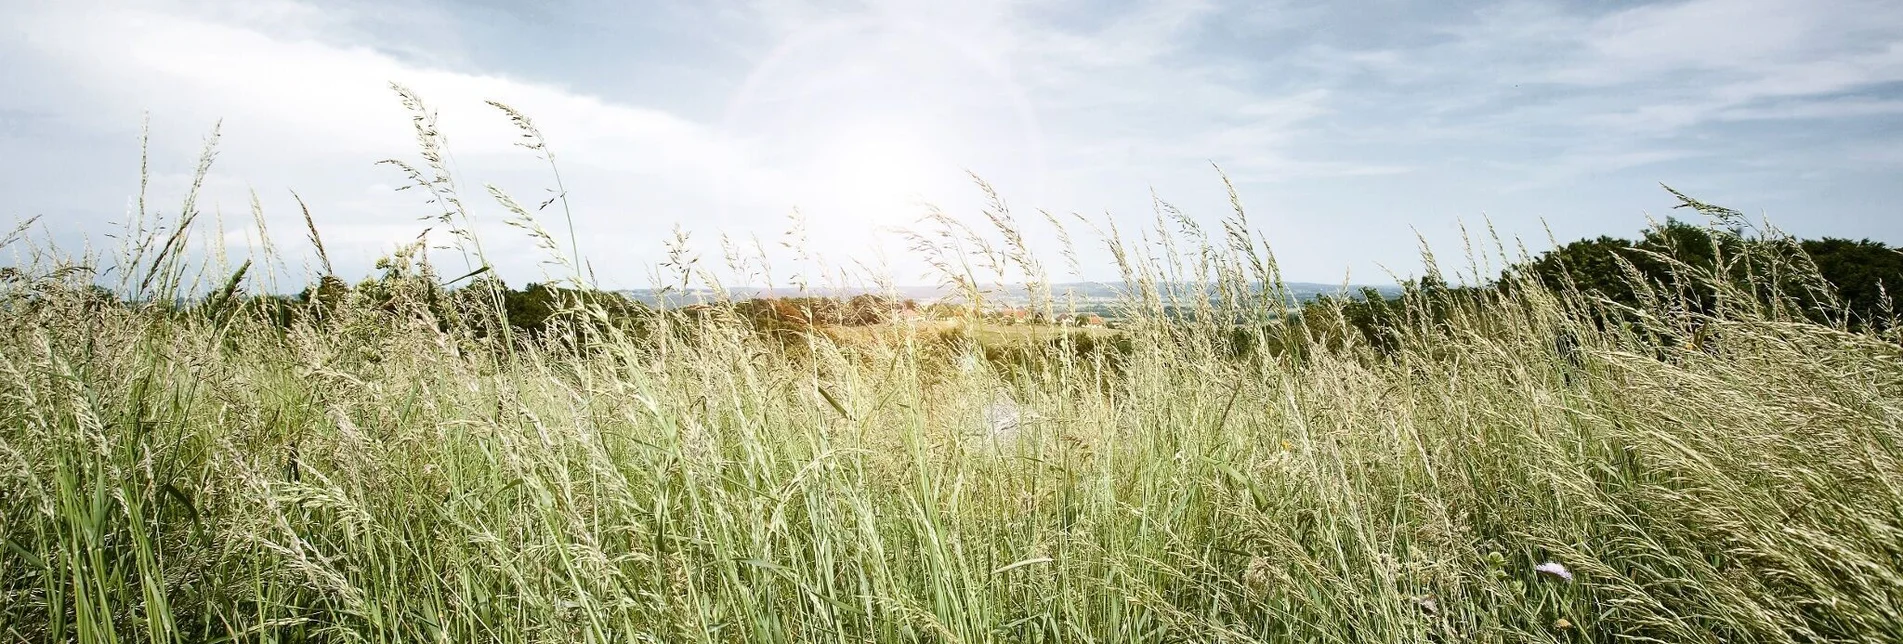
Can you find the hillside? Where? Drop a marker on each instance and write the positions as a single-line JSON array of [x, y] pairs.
[[1094, 296]]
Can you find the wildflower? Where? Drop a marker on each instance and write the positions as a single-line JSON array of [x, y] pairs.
[[1555, 569], [1003, 421], [1002, 417]]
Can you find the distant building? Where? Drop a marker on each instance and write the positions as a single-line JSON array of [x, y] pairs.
[[1080, 319]]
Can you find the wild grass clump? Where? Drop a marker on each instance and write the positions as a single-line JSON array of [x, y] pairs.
[[387, 471]]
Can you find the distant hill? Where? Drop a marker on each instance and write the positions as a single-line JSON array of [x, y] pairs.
[[1091, 294]]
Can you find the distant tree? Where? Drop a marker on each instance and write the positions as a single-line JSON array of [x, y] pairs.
[[530, 308], [1606, 266], [868, 309], [537, 308], [324, 297], [1866, 274], [1592, 265], [803, 312]]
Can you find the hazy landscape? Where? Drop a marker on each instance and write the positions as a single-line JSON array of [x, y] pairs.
[[1092, 293]]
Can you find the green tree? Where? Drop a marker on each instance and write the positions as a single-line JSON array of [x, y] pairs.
[[1865, 274]]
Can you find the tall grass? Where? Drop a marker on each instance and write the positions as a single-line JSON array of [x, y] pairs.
[[379, 473]]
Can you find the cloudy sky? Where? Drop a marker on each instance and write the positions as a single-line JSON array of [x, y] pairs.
[[1347, 126]]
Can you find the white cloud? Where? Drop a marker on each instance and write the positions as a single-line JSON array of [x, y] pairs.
[[1744, 35], [850, 108], [303, 114], [1706, 58]]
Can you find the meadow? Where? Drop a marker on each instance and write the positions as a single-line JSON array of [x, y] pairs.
[[183, 461]]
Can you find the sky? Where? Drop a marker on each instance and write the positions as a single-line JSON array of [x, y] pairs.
[[817, 132]]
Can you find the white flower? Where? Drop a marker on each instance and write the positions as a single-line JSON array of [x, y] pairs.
[[1002, 421], [1002, 417], [1555, 569], [969, 362]]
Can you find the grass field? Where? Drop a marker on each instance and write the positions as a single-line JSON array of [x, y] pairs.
[[377, 472]]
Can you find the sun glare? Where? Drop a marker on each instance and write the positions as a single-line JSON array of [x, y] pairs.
[[865, 119], [879, 174]]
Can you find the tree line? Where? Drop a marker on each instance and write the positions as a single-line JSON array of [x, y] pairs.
[[1677, 266]]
